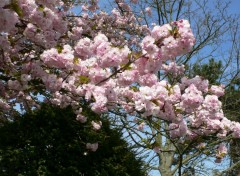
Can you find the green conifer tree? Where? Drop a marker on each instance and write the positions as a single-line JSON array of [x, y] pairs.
[[50, 141]]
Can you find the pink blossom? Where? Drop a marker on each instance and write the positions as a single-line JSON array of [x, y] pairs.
[[134, 1], [200, 83], [15, 85], [52, 83], [217, 90], [92, 147], [149, 47], [148, 11], [236, 130], [221, 151], [160, 32], [100, 38], [173, 68], [25, 77], [174, 94], [156, 149], [81, 118], [83, 47], [102, 48], [8, 20], [148, 79], [141, 126], [96, 125], [4, 2], [97, 74], [212, 103], [111, 58], [191, 99], [202, 146], [174, 130], [128, 77]]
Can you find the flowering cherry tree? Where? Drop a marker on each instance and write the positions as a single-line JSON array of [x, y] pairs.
[[112, 64]]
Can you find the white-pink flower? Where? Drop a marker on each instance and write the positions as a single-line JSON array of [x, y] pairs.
[[96, 125], [221, 152], [92, 146], [141, 126], [81, 118], [156, 149], [148, 11], [212, 103], [217, 90]]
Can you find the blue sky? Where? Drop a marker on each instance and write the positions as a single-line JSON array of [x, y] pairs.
[[235, 6]]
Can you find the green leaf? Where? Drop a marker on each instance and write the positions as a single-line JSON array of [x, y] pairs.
[[59, 48], [134, 88], [75, 60], [41, 8], [84, 79], [16, 8]]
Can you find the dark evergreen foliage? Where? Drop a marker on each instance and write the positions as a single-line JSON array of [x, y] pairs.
[[51, 142]]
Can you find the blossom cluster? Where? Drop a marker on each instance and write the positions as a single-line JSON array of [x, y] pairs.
[[90, 60]]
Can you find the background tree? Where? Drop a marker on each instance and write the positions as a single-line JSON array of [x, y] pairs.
[[231, 107], [213, 71], [50, 141]]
